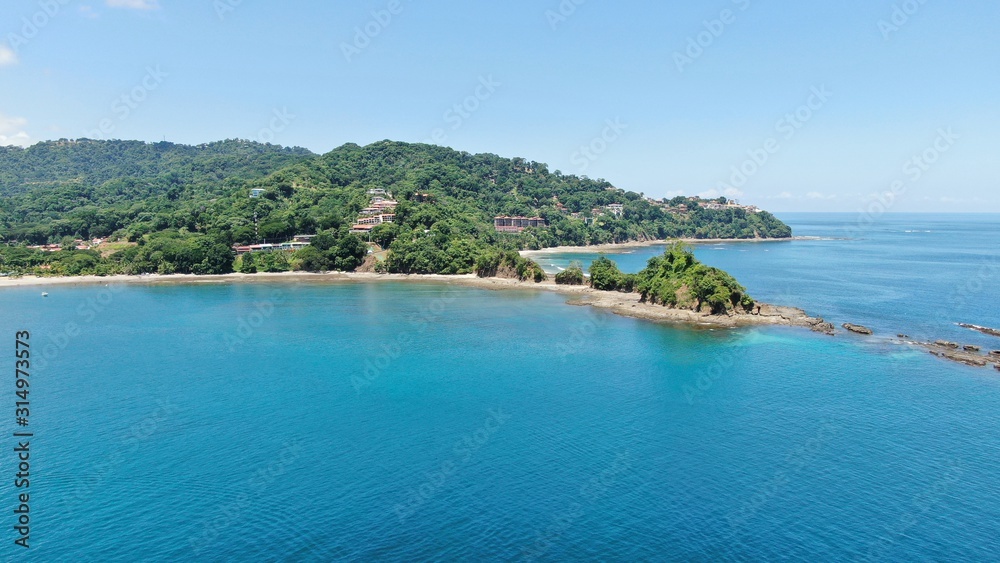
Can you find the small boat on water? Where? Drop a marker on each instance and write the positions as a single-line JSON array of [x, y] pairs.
[[45, 294]]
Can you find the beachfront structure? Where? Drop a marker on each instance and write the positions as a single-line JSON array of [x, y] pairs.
[[616, 209], [254, 248], [504, 224], [291, 246]]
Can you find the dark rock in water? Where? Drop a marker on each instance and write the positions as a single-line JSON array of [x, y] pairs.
[[974, 361], [982, 329], [902, 335], [858, 329], [968, 355], [995, 353], [819, 325]]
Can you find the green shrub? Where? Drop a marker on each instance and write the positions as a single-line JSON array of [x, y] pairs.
[[572, 275], [496, 263]]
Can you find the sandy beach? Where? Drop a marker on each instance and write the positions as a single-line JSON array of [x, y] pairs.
[[625, 304]]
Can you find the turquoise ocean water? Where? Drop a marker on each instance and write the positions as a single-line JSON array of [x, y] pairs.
[[411, 421]]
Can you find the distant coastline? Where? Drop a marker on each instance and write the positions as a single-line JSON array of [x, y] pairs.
[[642, 244]]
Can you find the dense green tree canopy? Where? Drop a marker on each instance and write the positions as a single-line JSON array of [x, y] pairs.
[[678, 279], [198, 199]]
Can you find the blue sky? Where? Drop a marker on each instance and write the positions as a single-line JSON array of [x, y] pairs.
[[793, 106]]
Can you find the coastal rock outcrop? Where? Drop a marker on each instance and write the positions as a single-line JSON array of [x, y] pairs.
[[973, 361], [968, 355], [982, 329], [821, 326], [858, 329]]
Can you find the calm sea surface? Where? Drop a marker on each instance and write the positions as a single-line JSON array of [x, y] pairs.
[[410, 421]]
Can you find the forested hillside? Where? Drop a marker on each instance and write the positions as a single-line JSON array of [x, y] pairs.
[[181, 208]]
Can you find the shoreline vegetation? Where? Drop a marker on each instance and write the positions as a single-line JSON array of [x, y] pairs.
[[622, 304], [674, 287], [625, 304], [132, 212]]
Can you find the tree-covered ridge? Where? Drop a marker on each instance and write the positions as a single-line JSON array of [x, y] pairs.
[[92, 189], [92, 163], [139, 193]]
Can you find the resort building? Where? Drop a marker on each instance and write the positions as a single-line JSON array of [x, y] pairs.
[[256, 192], [383, 204], [377, 219], [46, 247], [616, 209], [380, 210], [365, 224], [286, 246], [716, 206], [506, 224]]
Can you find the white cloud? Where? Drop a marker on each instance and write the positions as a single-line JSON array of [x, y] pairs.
[[7, 56], [12, 132], [134, 4], [817, 195]]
